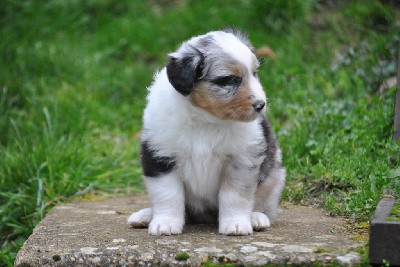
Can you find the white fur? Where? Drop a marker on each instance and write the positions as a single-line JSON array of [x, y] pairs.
[[141, 218], [168, 206], [259, 221]]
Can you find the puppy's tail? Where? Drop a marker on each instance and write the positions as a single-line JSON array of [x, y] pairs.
[[265, 51]]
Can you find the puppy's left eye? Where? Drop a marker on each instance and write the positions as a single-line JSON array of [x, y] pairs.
[[230, 80], [255, 74]]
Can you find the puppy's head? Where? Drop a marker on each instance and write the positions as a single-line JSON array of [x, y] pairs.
[[218, 73]]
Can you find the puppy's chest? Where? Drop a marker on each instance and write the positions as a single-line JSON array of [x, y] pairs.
[[204, 155], [200, 170]]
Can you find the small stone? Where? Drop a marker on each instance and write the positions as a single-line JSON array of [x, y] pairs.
[[89, 250], [208, 250], [63, 207], [248, 249], [118, 240], [147, 256], [226, 258], [297, 249], [264, 244], [96, 260], [113, 248], [166, 242], [255, 259], [349, 258], [267, 255], [106, 212], [272, 237]]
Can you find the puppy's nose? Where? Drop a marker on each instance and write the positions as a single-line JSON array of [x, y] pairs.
[[258, 105]]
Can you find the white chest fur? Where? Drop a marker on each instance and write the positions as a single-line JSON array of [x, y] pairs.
[[201, 161]]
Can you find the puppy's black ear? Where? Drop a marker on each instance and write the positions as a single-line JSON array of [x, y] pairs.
[[184, 69]]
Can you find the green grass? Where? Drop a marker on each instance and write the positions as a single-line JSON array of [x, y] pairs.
[[73, 83], [395, 212]]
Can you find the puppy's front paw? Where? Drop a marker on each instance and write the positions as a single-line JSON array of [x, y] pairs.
[[259, 221], [141, 218], [235, 227], [166, 226]]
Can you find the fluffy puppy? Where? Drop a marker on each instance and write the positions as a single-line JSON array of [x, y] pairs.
[[207, 149]]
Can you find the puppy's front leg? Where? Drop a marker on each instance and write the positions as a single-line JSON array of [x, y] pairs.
[[168, 204], [236, 199]]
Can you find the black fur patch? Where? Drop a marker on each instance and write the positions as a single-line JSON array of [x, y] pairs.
[[269, 139], [208, 215], [270, 162], [184, 71], [152, 165]]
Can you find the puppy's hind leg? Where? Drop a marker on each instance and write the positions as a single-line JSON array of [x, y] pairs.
[[141, 218], [268, 194]]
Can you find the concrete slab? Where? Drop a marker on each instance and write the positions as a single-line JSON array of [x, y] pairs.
[[96, 234]]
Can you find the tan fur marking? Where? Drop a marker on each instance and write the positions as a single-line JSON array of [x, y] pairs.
[[268, 192], [238, 108], [263, 190], [237, 71]]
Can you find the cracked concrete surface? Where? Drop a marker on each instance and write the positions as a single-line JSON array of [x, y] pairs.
[[96, 234]]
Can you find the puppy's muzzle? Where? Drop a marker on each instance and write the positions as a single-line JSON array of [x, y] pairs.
[[258, 105]]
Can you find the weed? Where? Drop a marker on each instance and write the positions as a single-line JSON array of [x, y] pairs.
[[56, 257], [182, 256]]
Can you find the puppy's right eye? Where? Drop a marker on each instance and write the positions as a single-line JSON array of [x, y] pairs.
[[230, 80]]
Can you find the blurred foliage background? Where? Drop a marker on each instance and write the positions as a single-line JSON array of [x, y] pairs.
[[73, 78]]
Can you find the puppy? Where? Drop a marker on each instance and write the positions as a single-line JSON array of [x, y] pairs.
[[207, 149]]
